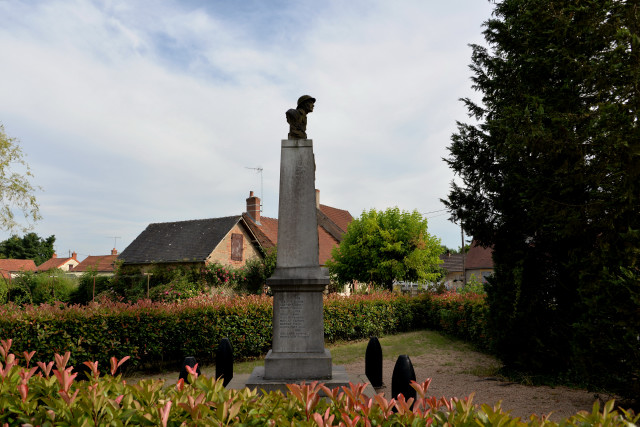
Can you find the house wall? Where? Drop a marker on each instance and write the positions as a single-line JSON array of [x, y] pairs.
[[480, 274], [222, 253], [453, 279], [68, 265]]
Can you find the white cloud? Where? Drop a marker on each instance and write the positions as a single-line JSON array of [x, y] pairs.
[[136, 112]]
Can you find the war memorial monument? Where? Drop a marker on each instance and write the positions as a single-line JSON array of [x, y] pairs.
[[298, 283]]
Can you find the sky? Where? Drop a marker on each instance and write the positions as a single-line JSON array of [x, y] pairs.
[[137, 112]]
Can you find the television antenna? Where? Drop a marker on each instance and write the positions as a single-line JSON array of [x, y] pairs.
[[114, 240], [259, 170]]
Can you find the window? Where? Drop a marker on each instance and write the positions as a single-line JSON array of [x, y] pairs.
[[236, 247]]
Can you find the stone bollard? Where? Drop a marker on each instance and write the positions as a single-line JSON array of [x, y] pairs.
[[191, 362], [403, 374], [373, 362], [224, 361]]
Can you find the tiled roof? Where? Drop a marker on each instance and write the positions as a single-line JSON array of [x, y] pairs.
[[97, 263], [15, 265], [182, 241], [53, 263], [340, 217], [451, 263], [332, 224], [478, 257]]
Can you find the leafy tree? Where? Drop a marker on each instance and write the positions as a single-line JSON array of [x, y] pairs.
[[550, 173], [16, 190], [30, 246], [446, 249], [383, 246]]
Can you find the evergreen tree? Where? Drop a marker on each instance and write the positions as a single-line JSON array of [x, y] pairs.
[[30, 246], [550, 173]]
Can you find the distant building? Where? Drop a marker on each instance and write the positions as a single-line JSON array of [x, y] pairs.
[[64, 264], [102, 265], [452, 264], [479, 262], [332, 224], [10, 268], [229, 240]]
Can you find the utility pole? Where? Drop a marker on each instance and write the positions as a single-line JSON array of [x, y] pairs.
[[464, 256]]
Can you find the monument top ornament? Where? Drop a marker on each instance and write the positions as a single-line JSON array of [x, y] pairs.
[[297, 117]]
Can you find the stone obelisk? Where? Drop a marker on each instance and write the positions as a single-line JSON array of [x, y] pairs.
[[298, 282]]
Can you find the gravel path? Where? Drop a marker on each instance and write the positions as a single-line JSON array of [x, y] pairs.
[[450, 373]]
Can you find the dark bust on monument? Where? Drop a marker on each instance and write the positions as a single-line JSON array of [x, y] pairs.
[[297, 117]]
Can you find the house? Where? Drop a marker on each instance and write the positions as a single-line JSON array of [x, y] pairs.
[[10, 268], [102, 265], [64, 264], [332, 224], [453, 265], [228, 240], [479, 262]]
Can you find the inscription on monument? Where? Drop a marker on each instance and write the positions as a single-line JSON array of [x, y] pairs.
[[291, 322]]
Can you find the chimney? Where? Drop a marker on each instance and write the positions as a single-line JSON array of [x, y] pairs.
[[55, 255], [114, 251], [253, 207], [74, 256], [317, 199]]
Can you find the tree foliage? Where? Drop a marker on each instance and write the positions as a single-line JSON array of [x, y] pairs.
[[550, 173], [29, 246], [16, 190], [383, 246]]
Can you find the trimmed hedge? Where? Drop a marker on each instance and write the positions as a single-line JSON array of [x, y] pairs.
[[158, 334]]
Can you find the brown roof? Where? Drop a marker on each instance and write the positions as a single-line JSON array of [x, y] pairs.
[[53, 263], [332, 224], [15, 265], [452, 262], [479, 257], [97, 263], [340, 217]]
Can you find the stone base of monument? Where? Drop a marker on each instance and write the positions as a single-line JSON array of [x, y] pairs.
[[298, 366], [339, 378]]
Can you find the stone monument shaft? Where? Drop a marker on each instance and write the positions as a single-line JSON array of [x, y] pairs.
[[298, 282]]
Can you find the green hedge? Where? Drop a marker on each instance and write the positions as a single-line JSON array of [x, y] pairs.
[[162, 334]]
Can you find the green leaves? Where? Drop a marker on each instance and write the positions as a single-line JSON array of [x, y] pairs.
[[383, 246], [16, 190]]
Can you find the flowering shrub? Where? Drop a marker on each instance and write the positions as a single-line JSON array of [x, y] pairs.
[[48, 394]]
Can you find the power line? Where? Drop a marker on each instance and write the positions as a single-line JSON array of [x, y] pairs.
[[439, 210]]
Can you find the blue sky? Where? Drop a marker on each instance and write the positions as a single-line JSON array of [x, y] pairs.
[[133, 112]]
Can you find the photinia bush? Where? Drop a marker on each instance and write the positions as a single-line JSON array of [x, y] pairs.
[[50, 394]]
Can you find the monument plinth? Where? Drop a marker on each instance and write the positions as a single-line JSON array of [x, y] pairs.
[[298, 282]]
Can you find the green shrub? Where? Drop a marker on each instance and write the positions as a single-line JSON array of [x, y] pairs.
[[48, 394]]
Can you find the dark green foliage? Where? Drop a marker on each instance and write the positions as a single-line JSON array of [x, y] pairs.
[[381, 247], [84, 293], [39, 288], [163, 334], [257, 271], [30, 246], [551, 180]]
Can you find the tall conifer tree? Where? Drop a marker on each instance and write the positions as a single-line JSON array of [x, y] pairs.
[[550, 171]]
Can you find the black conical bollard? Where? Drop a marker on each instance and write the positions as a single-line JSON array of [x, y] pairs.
[[403, 374], [224, 361], [373, 362], [191, 362]]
